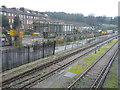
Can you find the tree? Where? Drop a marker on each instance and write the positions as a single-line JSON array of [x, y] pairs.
[[5, 22], [91, 20], [0, 20], [16, 26], [80, 18], [17, 23]]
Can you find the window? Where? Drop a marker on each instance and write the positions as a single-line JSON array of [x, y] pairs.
[[22, 26], [12, 21], [27, 22], [24, 16], [9, 20], [1, 13], [4, 13], [9, 14], [21, 16], [10, 26], [23, 22]]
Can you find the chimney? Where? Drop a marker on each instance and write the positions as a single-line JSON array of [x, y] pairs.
[[22, 9], [13, 8], [36, 12], [3, 6], [29, 11]]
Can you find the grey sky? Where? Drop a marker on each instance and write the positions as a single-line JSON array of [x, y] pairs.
[[96, 7]]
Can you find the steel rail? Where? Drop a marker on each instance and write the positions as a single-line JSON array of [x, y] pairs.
[[46, 65], [87, 70], [60, 68], [100, 80]]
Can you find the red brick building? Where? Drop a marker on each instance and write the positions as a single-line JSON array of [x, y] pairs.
[[26, 16]]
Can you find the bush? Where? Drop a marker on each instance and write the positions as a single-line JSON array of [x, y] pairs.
[[27, 32]]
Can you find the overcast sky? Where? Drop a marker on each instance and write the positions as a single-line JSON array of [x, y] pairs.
[[96, 7]]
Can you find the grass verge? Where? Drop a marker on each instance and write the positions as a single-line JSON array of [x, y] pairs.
[[82, 65], [112, 78]]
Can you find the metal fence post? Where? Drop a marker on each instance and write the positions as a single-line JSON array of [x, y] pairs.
[[28, 53], [7, 62], [43, 49], [95, 51], [54, 47], [72, 44], [14, 57]]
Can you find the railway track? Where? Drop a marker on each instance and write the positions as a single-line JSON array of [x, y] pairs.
[[30, 77], [94, 76]]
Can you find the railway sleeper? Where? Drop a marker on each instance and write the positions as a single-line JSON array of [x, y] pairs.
[[88, 79], [77, 86], [96, 68], [93, 73], [57, 60], [82, 85], [92, 76], [89, 76], [85, 81]]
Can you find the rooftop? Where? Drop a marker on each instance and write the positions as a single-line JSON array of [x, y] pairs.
[[22, 10]]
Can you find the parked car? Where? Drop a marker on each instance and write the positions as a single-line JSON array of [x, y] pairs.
[[4, 41]]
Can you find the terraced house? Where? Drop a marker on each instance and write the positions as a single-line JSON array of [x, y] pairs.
[[42, 23], [26, 16]]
